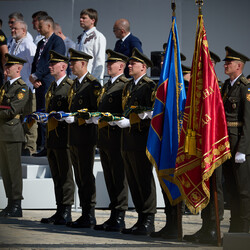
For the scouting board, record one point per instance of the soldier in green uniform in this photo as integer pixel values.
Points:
(139, 92)
(57, 144)
(236, 97)
(109, 142)
(82, 136)
(14, 95)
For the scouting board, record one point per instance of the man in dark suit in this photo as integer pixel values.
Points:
(236, 97)
(57, 144)
(14, 95)
(83, 135)
(41, 77)
(139, 92)
(126, 41)
(109, 142)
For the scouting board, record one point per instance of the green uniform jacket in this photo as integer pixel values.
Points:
(237, 109)
(135, 138)
(84, 96)
(111, 101)
(57, 100)
(15, 97)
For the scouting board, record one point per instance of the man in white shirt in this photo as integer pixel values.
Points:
(26, 49)
(15, 16)
(92, 42)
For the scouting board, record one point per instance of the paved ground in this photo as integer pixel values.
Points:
(29, 233)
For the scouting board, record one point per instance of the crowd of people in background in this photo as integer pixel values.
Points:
(51, 72)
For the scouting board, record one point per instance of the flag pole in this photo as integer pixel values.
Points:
(179, 205)
(216, 207)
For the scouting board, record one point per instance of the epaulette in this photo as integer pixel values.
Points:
(147, 79)
(124, 79)
(69, 81)
(21, 81)
(91, 78)
(244, 80)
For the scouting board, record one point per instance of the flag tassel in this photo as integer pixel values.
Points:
(192, 144)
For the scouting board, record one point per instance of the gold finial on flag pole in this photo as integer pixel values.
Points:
(199, 3)
(173, 7)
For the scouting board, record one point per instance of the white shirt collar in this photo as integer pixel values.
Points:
(80, 80)
(234, 80)
(138, 79)
(90, 31)
(114, 78)
(123, 39)
(60, 80)
(13, 80)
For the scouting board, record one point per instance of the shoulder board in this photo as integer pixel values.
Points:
(244, 80)
(91, 78)
(69, 81)
(124, 79)
(147, 79)
(21, 81)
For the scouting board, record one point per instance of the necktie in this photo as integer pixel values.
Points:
(77, 83)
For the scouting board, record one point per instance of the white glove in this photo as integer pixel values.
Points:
(70, 119)
(150, 114)
(88, 121)
(240, 158)
(112, 123)
(95, 119)
(124, 123)
(143, 115)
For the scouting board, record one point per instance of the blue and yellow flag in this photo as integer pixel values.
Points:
(165, 128)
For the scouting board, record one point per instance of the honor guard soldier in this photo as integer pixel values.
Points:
(109, 142)
(236, 97)
(139, 92)
(57, 145)
(13, 97)
(82, 136)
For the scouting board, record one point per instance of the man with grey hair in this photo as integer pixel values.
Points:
(15, 16)
(126, 41)
(26, 49)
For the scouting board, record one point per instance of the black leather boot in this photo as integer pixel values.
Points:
(87, 220)
(103, 226)
(5, 210)
(15, 209)
(117, 223)
(146, 227)
(54, 217)
(134, 227)
(210, 237)
(196, 236)
(65, 216)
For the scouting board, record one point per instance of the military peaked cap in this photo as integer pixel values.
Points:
(76, 55)
(214, 57)
(56, 57)
(138, 56)
(115, 56)
(232, 55)
(10, 59)
(185, 69)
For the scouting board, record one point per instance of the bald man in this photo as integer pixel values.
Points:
(126, 41)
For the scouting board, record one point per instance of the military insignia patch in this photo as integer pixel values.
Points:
(248, 97)
(20, 95)
(2, 38)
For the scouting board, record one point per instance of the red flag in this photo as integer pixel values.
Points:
(204, 143)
